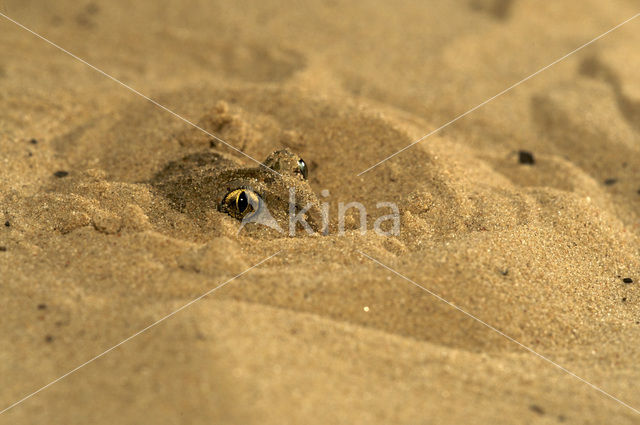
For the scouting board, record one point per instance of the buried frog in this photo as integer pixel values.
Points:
(274, 194)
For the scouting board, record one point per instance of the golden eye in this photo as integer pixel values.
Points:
(240, 203)
(302, 166)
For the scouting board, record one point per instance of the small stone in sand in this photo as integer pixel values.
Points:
(6, 223)
(3, 248)
(609, 182)
(525, 157)
(34, 142)
(535, 408)
(627, 280)
(48, 338)
(42, 306)
(61, 174)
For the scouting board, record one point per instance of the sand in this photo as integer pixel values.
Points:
(320, 333)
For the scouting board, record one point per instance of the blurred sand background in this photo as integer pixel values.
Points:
(539, 251)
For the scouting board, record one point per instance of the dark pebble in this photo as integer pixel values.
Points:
(6, 223)
(624, 299)
(34, 142)
(42, 306)
(61, 174)
(525, 157)
(3, 248)
(535, 408)
(610, 182)
(48, 338)
(627, 280)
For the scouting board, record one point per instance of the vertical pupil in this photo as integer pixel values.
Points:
(242, 202)
(303, 168)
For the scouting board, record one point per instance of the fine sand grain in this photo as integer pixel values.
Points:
(524, 213)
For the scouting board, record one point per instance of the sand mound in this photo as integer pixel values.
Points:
(523, 214)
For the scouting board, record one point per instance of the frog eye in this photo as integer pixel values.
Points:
(302, 166)
(241, 203)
